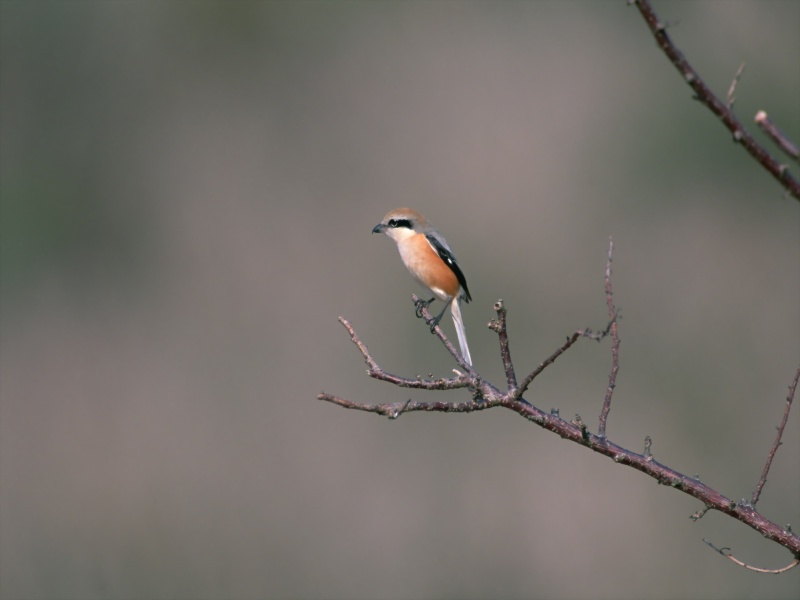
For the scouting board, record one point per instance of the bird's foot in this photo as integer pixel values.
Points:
(421, 305)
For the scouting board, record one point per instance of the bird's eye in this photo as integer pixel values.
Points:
(400, 223)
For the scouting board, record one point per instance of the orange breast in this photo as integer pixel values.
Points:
(428, 268)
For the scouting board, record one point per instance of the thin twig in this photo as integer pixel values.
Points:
(499, 327)
(376, 372)
(704, 94)
(777, 442)
(776, 135)
(395, 409)
(598, 335)
(546, 363)
(700, 513)
(612, 315)
(726, 552)
(373, 366)
(732, 89)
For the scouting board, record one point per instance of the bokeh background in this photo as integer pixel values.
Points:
(188, 191)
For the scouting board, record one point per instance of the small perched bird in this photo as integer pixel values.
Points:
(430, 261)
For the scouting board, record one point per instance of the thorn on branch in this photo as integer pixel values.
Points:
(648, 445)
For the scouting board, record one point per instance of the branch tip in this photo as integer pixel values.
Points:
(726, 552)
(704, 94)
(778, 137)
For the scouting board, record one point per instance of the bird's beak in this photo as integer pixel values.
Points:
(378, 228)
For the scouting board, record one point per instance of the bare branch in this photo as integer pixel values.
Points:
(499, 327)
(612, 316)
(395, 409)
(704, 94)
(777, 442)
(726, 552)
(776, 135)
(373, 366)
(577, 432)
(486, 396)
(376, 372)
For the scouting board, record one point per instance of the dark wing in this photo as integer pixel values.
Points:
(447, 256)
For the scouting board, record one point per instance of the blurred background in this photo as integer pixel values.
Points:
(188, 191)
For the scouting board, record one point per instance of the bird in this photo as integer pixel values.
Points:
(429, 259)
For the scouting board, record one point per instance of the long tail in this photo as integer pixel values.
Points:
(455, 308)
